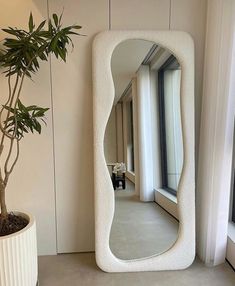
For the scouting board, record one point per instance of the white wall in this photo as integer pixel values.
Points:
(72, 108)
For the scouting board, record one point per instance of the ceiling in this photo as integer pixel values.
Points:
(126, 59)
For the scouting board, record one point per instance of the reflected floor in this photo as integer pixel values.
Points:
(140, 229)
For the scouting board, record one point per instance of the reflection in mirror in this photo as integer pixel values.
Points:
(170, 124)
(143, 149)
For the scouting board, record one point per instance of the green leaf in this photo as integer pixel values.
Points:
(77, 27)
(42, 48)
(38, 127)
(61, 15)
(43, 121)
(73, 33)
(8, 108)
(31, 107)
(10, 31)
(41, 25)
(55, 17)
(54, 41)
(62, 54)
(23, 50)
(39, 113)
(31, 25)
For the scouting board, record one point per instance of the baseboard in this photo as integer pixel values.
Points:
(167, 201)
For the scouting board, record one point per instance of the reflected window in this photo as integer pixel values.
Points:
(233, 202)
(169, 77)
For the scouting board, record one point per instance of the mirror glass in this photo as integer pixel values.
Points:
(143, 149)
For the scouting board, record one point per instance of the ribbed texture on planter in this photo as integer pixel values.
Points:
(18, 257)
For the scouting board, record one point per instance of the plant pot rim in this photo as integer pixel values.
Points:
(28, 216)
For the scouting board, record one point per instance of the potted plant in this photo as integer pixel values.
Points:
(20, 57)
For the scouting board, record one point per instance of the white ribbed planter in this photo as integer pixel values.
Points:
(18, 256)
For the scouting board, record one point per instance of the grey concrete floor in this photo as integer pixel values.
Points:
(140, 229)
(81, 270)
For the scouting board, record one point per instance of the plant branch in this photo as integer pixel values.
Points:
(9, 89)
(11, 99)
(8, 172)
(17, 97)
(8, 158)
(16, 158)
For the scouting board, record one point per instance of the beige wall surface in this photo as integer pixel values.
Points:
(72, 98)
(190, 16)
(31, 186)
(68, 206)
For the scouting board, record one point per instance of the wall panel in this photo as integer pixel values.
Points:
(139, 15)
(190, 16)
(72, 98)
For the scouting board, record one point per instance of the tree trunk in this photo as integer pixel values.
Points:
(3, 201)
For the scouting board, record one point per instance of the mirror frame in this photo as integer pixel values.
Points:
(182, 253)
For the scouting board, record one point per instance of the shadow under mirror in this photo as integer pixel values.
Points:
(143, 149)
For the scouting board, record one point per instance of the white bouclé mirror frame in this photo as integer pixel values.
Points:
(182, 253)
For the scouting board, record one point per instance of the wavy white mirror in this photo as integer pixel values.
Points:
(144, 119)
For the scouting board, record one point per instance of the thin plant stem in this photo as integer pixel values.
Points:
(16, 100)
(17, 156)
(4, 133)
(8, 172)
(8, 158)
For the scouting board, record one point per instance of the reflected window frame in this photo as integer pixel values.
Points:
(170, 63)
(233, 199)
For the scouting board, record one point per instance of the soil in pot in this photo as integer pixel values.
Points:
(12, 224)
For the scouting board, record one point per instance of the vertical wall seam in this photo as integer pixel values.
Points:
(53, 138)
(110, 26)
(169, 24)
